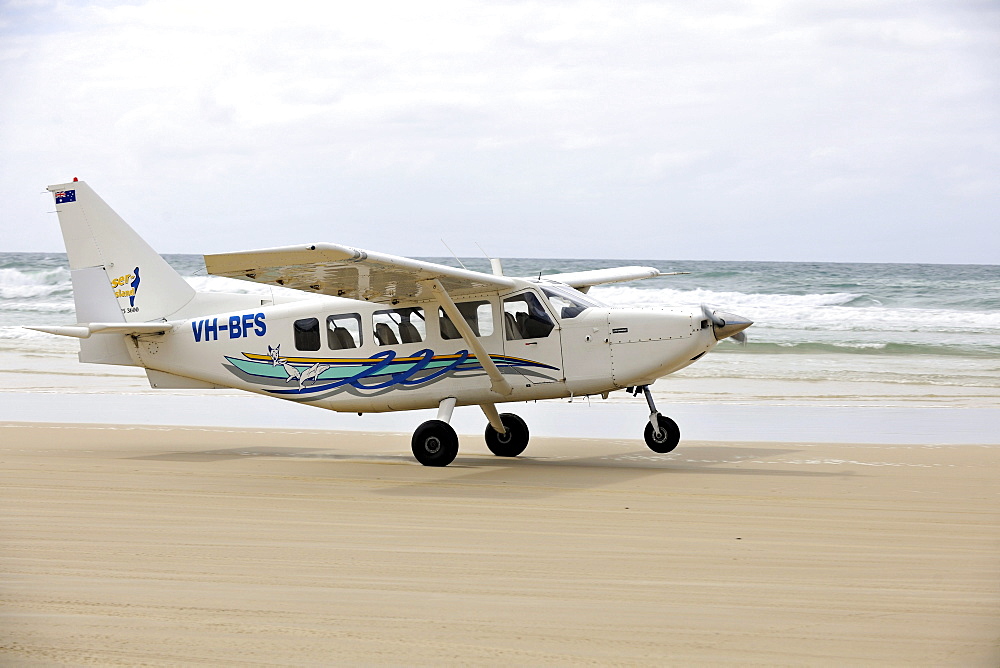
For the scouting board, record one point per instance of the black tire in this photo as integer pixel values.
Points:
(670, 435)
(435, 443)
(513, 442)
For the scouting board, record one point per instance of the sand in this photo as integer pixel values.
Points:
(187, 546)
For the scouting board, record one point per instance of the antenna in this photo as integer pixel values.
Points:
(453, 255)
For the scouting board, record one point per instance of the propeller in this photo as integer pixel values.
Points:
(727, 325)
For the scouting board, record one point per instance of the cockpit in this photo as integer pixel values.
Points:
(566, 301)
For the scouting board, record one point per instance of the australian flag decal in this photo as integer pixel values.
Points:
(64, 196)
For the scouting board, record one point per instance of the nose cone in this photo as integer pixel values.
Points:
(731, 325)
(725, 325)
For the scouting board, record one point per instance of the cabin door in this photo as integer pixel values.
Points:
(531, 338)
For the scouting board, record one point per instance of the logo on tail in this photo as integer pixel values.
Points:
(135, 288)
(132, 283)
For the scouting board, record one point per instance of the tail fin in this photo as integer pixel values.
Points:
(116, 275)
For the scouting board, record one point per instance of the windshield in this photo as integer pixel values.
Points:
(568, 302)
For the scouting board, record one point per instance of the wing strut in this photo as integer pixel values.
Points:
(498, 383)
(494, 417)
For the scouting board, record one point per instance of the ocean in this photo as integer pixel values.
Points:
(837, 334)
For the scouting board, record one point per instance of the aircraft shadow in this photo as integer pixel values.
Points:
(223, 454)
(488, 476)
(527, 477)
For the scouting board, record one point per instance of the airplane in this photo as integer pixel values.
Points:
(370, 332)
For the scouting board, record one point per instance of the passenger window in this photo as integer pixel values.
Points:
(524, 318)
(307, 334)
(343, 331)
(400, 325)
(478, 314)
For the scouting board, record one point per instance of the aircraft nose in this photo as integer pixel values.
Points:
(725, 325)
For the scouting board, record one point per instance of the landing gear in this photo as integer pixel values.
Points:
(662, 434)
(435, 443)
(513, 442)
(665, 437)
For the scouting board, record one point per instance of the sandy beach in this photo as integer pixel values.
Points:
(138, 545)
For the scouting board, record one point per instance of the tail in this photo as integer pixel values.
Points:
(116, 276)
(121, 286)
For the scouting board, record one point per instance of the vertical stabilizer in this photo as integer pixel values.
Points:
(112, 267)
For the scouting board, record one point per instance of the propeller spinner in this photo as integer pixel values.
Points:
(727, 325)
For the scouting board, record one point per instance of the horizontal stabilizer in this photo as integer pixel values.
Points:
(85, 330)
(584, 280)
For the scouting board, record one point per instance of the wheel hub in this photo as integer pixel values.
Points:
(432, 445)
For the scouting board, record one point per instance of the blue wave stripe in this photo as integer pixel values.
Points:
(382, 370)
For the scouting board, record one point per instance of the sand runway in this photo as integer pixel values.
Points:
(137, 545)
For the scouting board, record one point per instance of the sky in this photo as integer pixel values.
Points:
(843, 131)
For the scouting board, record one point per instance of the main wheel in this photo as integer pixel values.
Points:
(435, 443)
(513, 442)
(669, 437)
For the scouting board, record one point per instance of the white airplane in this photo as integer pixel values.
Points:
(372, 332)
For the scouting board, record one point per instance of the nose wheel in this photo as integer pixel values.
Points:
(662, 434)
(664, 438)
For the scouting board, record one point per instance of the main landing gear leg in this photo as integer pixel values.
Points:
(506, 433)
(662, 434)
(435, 442)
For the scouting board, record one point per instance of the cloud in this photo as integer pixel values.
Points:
(712, 128)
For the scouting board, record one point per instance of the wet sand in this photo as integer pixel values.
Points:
(180, 546)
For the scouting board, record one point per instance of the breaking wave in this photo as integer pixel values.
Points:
(19, 284)
(798, 308)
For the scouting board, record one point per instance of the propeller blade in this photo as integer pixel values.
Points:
(710, 314)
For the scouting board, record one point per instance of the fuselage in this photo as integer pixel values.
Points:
(549, 341)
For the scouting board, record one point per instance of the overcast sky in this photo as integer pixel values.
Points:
(804, 131)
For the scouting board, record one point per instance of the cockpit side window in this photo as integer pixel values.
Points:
(525, 318)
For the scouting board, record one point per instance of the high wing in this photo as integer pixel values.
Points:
(584, 280)
(342, 271)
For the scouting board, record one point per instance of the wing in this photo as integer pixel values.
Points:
(342, 271)
(584, 280)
